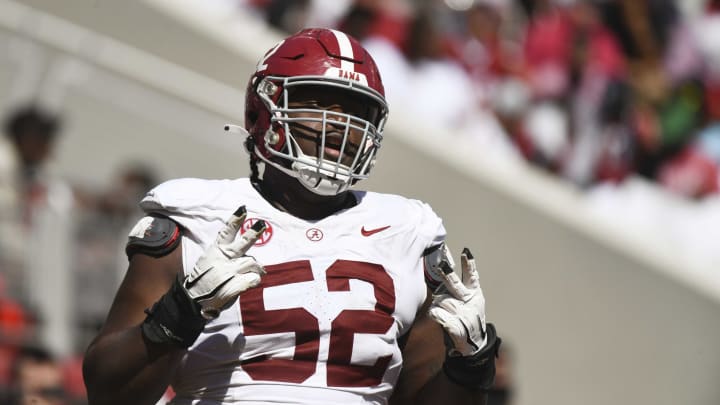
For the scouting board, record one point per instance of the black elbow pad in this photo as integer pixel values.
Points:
(153, 235)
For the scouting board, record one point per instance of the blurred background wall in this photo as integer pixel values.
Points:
(584, 177)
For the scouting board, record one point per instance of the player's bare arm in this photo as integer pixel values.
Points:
(120, 365)
(158, 312)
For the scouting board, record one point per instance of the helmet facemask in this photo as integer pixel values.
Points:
(323, 131)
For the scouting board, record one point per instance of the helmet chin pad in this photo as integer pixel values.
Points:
(325, 178)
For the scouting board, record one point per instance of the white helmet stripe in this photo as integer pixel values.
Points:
(346, 51)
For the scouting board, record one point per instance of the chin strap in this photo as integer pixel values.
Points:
(236, 129)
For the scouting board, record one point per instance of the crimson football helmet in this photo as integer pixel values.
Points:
(334, 65)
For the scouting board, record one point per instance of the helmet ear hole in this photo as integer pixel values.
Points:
(272, 137)
(252, 117)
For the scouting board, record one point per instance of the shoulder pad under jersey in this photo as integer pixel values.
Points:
(153, 235)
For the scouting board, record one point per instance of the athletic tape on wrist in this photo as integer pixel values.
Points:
(476, 371)
(174, 319)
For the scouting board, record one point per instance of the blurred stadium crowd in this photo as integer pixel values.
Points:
(37, 209)
(592, 91)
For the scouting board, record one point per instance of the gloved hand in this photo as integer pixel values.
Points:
(218, 277)
(459, 308)
(224, 271)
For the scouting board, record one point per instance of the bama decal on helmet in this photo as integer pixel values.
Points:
(347, 74)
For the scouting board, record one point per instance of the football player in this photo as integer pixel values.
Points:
(288, 286)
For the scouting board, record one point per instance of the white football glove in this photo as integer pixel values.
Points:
(459, 307)
(224, 271)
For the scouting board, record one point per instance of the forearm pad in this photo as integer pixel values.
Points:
(174, 319)
(477, 371)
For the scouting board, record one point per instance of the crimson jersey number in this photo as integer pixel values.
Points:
(340, 372)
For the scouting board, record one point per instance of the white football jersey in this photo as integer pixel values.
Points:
(323, 325)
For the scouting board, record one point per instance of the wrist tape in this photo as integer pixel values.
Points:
(174, 319)
(476, 371)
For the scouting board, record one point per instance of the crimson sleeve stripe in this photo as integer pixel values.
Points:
(173, 238)
(429, 280)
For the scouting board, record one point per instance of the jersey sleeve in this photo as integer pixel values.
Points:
(430, 228)
(197, 206)
(431, 236)
(191, 203)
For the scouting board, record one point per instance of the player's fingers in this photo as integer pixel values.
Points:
(464, 265)
(242, 282)
(449, 322)
(241, 245)
(232, 226)
(248, 264)
(451, 305)
(225, 295)
(452, 282)
(469, 269)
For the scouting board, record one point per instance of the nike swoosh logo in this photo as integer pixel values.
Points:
(366, 232)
